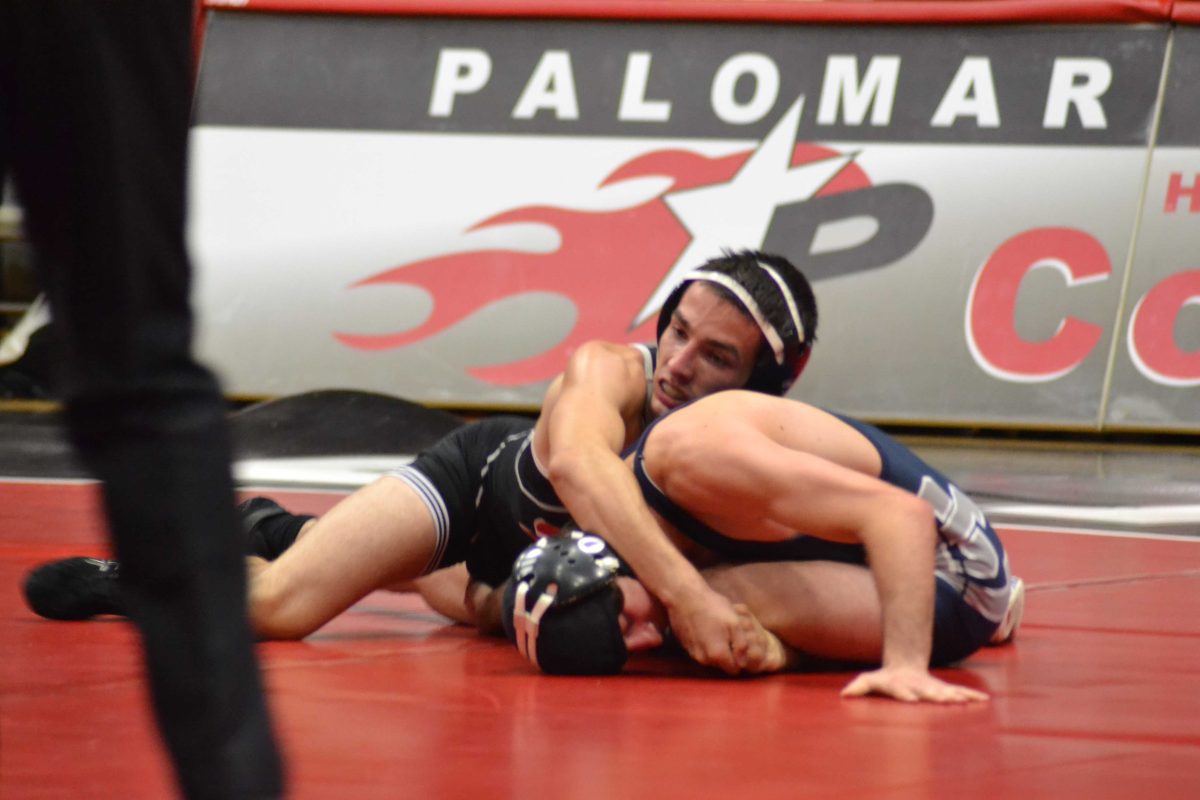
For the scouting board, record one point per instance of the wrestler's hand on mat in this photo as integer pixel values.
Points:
(706, 625)
(910, 685)
(765, 652)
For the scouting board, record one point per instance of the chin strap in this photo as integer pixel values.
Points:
(526, 623)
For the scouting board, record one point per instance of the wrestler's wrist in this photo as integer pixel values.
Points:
(904, 661)
(681, 589)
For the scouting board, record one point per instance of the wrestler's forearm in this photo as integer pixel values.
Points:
(604, 498)
(900, 552)
(905, 583)
(447, 592)
(703, 621)
(581, 432)
(485, 604)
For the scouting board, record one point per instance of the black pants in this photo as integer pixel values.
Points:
(94, 116)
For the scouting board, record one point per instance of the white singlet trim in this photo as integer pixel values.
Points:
(437, 510)
(528, 445)
(648, 365)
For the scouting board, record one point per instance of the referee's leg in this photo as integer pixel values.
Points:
(94, 114)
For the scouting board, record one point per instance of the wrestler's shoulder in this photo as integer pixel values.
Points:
(599, 354)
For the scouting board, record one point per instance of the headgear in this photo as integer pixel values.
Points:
(777, 296)
(562, 606)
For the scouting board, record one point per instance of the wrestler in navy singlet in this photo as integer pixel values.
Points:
(971, 566)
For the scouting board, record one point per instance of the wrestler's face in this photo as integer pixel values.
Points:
(643, 619)
(709, 345)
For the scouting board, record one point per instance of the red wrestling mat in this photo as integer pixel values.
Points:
(1100, 698)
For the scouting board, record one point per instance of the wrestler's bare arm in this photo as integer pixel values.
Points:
(584, 425)
(446, 591)
(723, 461)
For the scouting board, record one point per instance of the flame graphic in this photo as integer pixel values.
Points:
(608, 264)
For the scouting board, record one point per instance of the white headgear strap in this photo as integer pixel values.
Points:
(787, 298)
(526, 623)
(769, 331)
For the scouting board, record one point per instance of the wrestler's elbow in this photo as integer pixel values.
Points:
(887, 517)
(909, 513)
(568, 470)
(680, 460)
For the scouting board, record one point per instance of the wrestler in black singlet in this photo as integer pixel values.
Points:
(488, 496)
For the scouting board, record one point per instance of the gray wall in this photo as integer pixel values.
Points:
(998, 220)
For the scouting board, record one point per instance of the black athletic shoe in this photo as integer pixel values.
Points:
(74, 588)
(270, 528)
(254, 511)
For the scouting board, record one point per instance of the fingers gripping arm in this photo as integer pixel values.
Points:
(486, 604)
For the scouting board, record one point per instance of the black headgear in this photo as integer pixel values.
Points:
(749, 278)
(562, 605)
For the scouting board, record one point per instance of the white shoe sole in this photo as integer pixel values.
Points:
(1012, 617)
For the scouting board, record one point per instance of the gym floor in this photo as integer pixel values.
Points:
(1099, 697)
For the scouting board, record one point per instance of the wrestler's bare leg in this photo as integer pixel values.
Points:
(443, 590)
(380, 535)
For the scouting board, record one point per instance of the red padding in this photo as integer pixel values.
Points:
(1186, 11)
(832, 11)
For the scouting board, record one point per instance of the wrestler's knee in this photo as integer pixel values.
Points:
(679, 455)
(275, 611)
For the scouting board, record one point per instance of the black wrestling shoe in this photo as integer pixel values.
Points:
(269, 527)
(74, 588)
(256, 510)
